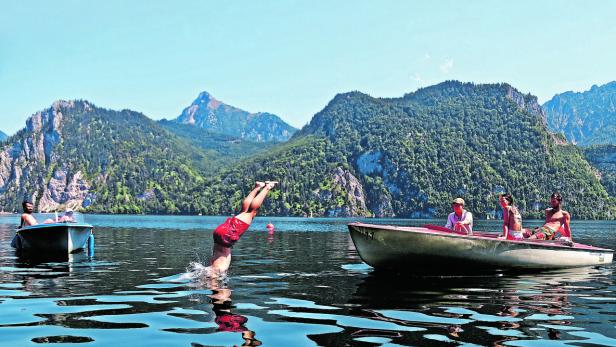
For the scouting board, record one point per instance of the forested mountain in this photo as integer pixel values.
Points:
(223, 149)
(409, 157)
(219, 118)
(3, 136)
(584, 118)
(77, 155)
(405, 157)
(603, 158)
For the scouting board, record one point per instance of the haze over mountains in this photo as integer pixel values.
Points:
(405, 157)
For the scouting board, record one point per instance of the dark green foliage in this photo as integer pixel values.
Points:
(457, 139)
(301, 166)
(411, 156)
(222, 149)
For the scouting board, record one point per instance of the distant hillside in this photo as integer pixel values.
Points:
(409, 157)
(77, 155)
(3, 136)
(603, 158)
(223, 149)
(584, 118)
(219, 118)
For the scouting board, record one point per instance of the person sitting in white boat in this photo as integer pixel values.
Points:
(556, 222)
(27, 218)
(512, 219)
(460, 219)
(67, 217)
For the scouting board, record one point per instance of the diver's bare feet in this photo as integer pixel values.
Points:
(271, 184)
(259, 184)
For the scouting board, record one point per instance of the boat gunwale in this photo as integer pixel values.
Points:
(540, 243)
(54, 225)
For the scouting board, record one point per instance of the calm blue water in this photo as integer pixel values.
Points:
(302, 286)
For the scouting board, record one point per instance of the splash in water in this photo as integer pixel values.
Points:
(198, 272)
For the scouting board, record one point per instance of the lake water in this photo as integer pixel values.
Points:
(304, 285)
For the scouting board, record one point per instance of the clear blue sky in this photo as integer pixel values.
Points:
(290, 57)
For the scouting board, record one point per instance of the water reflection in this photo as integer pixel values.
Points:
(489, 310)
(226, 320)
(294, 287)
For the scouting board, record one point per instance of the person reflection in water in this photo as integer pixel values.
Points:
(225, 319)
(229, 232)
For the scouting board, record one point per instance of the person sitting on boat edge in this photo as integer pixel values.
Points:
(512, 219)
(27, 218)
(229, 232)
(556, 221)
(460, 219)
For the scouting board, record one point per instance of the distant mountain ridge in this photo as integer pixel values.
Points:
(585, 118)
(3, 136)
(217, 117)
(410, 156)
(359, 156)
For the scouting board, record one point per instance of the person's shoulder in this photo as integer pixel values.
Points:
(566, 213)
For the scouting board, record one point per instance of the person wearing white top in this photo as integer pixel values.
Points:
(460, 219)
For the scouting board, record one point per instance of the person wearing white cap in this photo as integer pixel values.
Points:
(460, 219)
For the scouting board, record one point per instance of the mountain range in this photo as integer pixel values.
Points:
(3, 136)
(359, 156)
(585, 118)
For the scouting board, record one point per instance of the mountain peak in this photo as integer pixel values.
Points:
(211, 114)
(71, 104)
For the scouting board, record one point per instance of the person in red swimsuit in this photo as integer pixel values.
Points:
(229, 232)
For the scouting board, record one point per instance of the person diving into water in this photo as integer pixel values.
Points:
(229, 232)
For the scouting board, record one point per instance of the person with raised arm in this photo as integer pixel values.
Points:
(512, 219)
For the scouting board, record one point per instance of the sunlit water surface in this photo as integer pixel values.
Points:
(302, 285)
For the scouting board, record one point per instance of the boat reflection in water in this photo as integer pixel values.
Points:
(487, 310)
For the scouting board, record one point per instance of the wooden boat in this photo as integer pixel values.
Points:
(53, 237)
(433, 248)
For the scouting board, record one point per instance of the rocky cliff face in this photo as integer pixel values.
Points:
(217, 117)
(29, 166)
(526, 102)
(352, 192)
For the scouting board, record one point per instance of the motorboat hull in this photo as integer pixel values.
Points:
(53, 238)
(423, 249)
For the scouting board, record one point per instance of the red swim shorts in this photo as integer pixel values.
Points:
(229, 232)
(231, 322)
